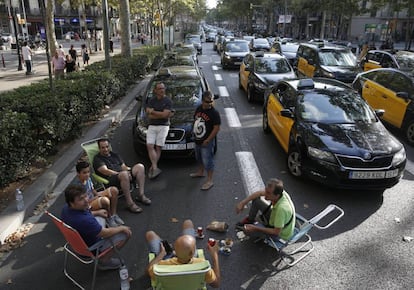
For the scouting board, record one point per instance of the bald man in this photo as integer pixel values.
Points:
(184, 253)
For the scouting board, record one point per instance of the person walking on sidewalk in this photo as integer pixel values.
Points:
(58, 65)
(103, 203)
(85, 54)
(159, 111)
(27, 57)
(206, 126)
(110, 166)
(76, 213)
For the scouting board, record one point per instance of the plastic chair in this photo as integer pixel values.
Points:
(91, 149)
(301, 236)
(77, 247)
(183, 277)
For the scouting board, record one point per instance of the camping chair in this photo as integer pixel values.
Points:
(300, 235)
(183, 277)
(77, 247)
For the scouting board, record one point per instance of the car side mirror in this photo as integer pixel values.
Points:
(403, 95)
(287, 113)
(216, 96)
(311, 61)
(247, 68)
(379, 112)
(138, 98)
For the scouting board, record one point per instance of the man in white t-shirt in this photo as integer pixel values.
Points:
(27, 56)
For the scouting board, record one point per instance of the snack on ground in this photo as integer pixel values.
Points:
(218, 226)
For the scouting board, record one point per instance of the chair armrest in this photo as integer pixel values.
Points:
(330, 208)
(100, 178)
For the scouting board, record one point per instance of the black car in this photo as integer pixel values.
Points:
(331, 135)
(233, 53)
(185, 86)
(259, 44)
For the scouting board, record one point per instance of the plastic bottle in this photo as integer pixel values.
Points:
(123, 274)
(19, 200)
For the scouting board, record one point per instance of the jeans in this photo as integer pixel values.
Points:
(205, 155)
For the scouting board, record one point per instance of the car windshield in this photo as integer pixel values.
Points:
(271, 65)
(237, 46)
(334, 108)
(261, 41)
(337, 57)
(193, 39)
(290, 48)
(405, 60)
(184, 93)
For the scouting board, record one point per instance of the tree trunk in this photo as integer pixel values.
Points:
(50, 26)
(125, 28)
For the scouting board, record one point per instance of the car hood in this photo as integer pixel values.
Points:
(183, 117)
(353, 139)
(341, 69)
(234, 54)
(273, 78)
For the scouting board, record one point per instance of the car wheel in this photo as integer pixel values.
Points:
(409, 132)
(250, 94)
(265, 122)
(294, 162)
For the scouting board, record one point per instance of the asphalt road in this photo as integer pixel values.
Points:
(364, 250)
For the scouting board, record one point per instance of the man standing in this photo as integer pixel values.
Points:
(73, 53)
(159, 111)
(76, 213)
(206, 126)
(110, 166)
(184, 253)
(279, 215)
(27, 56)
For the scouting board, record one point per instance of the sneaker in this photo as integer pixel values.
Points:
(111, 264)
(245, 221)
(118, 220)
(111, 222)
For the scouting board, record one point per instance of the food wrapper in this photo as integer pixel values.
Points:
(217, 226)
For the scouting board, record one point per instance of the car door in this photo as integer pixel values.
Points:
(306, 62)
(372, 60)
(373, 90)
(244, 75)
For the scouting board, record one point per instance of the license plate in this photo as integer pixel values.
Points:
(173, 147)
(237, 63)
(373, 174)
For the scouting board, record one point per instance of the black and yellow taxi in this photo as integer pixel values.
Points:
(319, 59)
(259, 70)
(331, 135)
(392, 91)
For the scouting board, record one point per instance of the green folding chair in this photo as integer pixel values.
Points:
(91, 149)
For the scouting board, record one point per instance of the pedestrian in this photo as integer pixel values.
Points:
(159, 111)
(76, 213)
(206, 126)
(111, 45)
(70, 64)
(184, 253)
(278, 216)
(27, 57)
(85, 55)
(58, 65)
(73, 53)
(110, 166)
(102, 203)
(61, 51)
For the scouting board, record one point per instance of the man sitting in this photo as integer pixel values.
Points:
(184, 251)
(110, 166)
(77, 214)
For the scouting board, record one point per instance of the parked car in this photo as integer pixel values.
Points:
(331, 135)
(320, 60)
(259, 44)
(233, 53)
(185, 86)
(260, 70)
(195, 40)
(392, 91)
(211, 36)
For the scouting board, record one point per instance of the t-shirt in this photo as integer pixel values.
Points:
(210, 275)
(160, 105)
(204, 122)
(27, 53)
(282, 212)
(113, 162)
(88, 186)
(84, 222)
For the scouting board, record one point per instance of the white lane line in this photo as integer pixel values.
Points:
(214, 67)
(252, 180)
(205, 61)
(409, 166)
(232, 118)
(223, 91)
(218, 77)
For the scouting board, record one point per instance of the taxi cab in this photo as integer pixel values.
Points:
(331, 135)
(392, 91)
(259, 70)
(329, 61)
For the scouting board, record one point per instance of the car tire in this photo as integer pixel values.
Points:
(294, 161)
(250, 94)
(265, 122)
(409, 132)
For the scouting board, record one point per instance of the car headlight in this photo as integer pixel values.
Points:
(261, 86)
(226, 56)
(321, 154)
(399, 157)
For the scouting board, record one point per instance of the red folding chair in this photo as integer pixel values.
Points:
(77, 247)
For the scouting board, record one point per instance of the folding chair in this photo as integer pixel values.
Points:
(77, 247)
(300, 235)
(183, 277)
(91, 149)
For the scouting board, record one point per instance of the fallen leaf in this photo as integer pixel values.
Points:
(305, 205)
(61, 249)
(174, 220)
(48, 246)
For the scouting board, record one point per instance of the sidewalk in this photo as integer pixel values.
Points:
(10, 219)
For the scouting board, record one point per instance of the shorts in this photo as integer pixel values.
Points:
(154, 245)
(97, 202)
(111, 241)
(156, 135)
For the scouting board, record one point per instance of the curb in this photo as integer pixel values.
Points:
(10, 219)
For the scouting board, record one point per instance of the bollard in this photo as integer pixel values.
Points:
(2, 60)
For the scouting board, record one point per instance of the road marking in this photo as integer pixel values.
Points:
(232, 118)
(252, 180)
(218, 77)
(214, 67)
(205, 61)
(223, 91)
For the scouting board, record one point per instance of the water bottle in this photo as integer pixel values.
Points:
(19, 200)
(123, 274)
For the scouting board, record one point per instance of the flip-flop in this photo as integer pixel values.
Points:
(134, 208)
(143, 199)
(195, 175)
(155, 173)
(207, 185)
